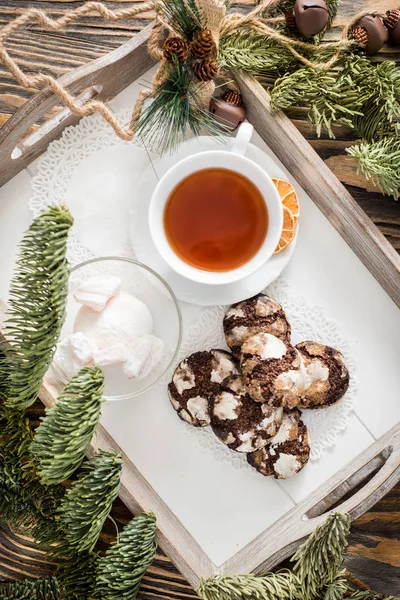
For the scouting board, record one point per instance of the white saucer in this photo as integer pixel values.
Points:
(146, 252)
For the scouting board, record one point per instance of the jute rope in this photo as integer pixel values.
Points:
(213, 16)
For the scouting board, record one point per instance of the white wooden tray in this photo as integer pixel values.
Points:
(214, 518)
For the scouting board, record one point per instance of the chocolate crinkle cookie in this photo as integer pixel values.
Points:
(255, 315)
(196, 380)
(326, 373)
(272, 371)
(241, 423)
(287, 453)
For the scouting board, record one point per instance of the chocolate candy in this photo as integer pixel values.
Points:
(225, 112)
(392, 22)
(377, 34)
(311, 16)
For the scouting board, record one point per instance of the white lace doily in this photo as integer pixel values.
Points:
(308, 321)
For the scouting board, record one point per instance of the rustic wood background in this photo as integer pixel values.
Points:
(373, 557)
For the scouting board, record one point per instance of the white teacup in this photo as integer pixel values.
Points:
(234, 160)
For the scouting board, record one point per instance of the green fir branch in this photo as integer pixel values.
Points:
(40, 589)
(63, 437)
(88, 502)
(380, 162)
(282, 585)
(120, 571)
(337, 588)
(37, 307)
(320, 558)
(380, 83)
(77, 574)
(256, 54)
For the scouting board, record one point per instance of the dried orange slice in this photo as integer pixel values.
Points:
(291, 209)
(288, 230)
(288, 196)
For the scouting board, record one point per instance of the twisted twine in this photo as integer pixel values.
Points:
(214, 17)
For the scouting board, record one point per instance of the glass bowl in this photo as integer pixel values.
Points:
(146, 285)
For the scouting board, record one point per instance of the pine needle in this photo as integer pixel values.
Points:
(77, 574)
(41, 589)
(37, 307)
(282, 585)
(88, 502)
(256, 54)
(183, 15)
(120, 571)
(319, 559)
(175, 108)
(380, 162)
(63, 437)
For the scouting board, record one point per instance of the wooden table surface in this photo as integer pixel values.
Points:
(373, 557)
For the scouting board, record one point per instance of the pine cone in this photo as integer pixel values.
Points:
(205, 70)
(232, 97)
(175, 46)
(392, 18)
(202, 44)
(360, 35)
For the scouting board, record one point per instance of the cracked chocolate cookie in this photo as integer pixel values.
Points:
(327, 375)
(287, 453)
(273, 371)
(252, 316)
(241, 423)
(196, 380)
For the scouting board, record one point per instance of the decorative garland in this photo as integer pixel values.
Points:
(200, 42)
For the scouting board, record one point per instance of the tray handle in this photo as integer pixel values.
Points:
(102, 79)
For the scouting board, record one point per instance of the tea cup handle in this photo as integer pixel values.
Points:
(242, 139)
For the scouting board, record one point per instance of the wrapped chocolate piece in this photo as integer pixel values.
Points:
(311, 16)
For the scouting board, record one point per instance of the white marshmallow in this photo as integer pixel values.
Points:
(111, 356)
(123, 320)
(73, 353)
(144, 354)
(97, 291)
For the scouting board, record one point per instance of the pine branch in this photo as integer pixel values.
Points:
(175, 107)
(40, 589)
(63, 437)
(282, 585)
(120, 571)
(337, 588)
(37, 307)
(380, 161)
(319, 559)
(380, 85)
(77, 574)
(256, 54)
(184, 16)
(87, 504)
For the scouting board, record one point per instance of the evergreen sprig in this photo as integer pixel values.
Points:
(120, 571)
(183, 15)
(380, 161)
(77, 574)
(40, 589)
(37, 308)
(282, 585)
(176, 106)
(320, 558)
(88, 502)
(253, 53)
(63, 437)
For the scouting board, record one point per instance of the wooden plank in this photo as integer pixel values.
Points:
(367, 242)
